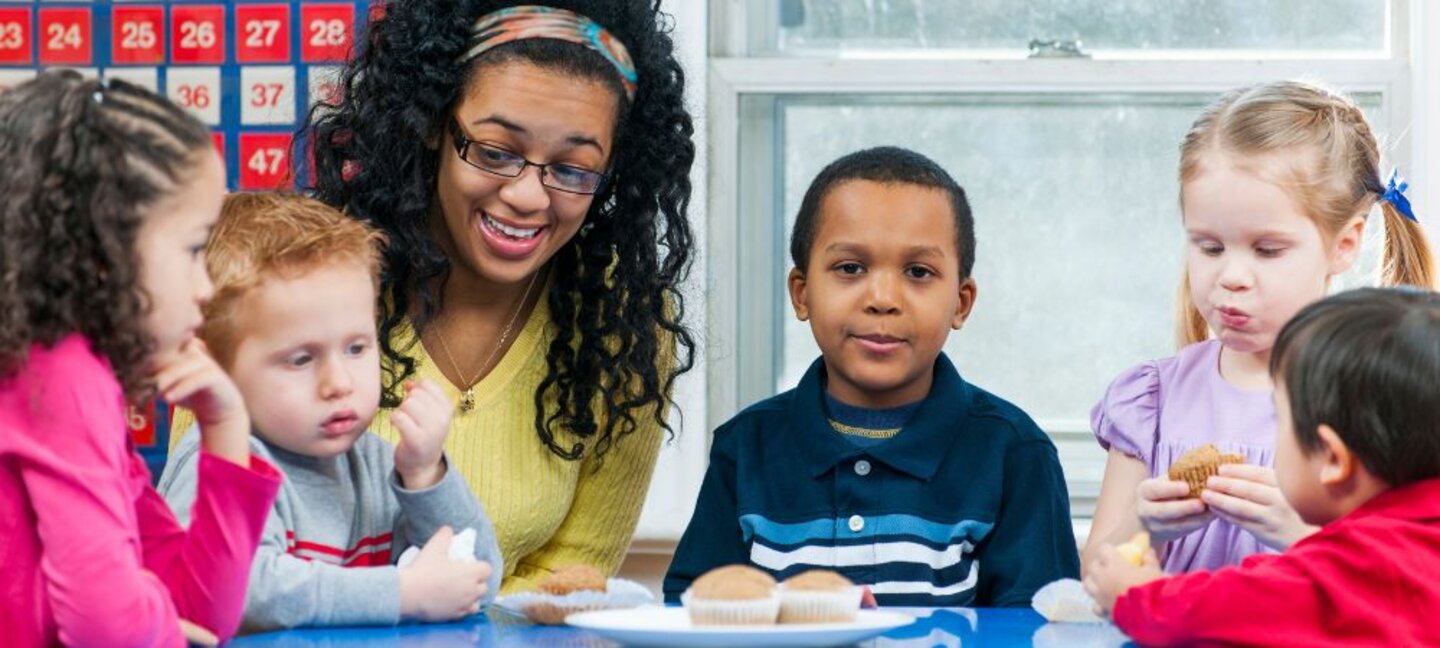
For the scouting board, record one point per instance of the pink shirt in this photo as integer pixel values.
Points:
(89, 552)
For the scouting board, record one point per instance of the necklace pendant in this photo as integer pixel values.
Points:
(467, 400)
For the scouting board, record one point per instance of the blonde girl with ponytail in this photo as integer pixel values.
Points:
(1276, 182)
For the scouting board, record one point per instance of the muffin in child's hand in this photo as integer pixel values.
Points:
(573, 578)
(732, 595)
(819, 596)
(1199, 465)
(1133, 551)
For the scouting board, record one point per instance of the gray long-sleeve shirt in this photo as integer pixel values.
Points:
(330, 544)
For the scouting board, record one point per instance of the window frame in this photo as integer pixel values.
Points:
(743, 259)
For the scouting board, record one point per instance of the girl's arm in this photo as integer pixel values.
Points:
(78, 479)
(207, 567)
(1115, 519)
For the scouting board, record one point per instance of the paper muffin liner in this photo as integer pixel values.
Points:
(1065, 601)
(705, 612)
(811, 606)
(549, 609)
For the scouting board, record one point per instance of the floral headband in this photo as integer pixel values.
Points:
(534, 21)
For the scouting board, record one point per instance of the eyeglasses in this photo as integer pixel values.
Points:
(503, 163)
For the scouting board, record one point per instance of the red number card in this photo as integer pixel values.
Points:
(137, 35)
(264, 161)
(197, 34)
(142, 423)
(65, 36)
(16, 36)
(327, 32)
(262, 33)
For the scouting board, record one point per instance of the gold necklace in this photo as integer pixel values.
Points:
(467, 390)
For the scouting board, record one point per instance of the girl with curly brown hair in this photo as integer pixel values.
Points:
(529, 162)
(110, 194)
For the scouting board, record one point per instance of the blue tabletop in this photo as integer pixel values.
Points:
(933, 627)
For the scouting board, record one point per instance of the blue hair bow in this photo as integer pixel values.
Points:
(1395, 195)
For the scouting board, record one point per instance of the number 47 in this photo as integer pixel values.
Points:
(266, 161)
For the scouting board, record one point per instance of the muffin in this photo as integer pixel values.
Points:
(573, 578)
(732, 595)
(1133, 551)
(818, 596)
(1199, 465)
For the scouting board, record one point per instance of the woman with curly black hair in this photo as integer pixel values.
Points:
(530, 167)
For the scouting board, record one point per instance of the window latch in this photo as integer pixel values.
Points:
(1057, 49)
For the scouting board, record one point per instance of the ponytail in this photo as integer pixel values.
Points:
(1408, 260)
(1190, 325)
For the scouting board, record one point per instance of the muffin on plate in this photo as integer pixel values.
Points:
(732, 595)
(818, 596)
(573, 578)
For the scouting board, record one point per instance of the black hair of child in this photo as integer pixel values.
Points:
(885, 165)
(1367, 363)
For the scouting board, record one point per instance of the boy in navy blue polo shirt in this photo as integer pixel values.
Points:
(884, 464)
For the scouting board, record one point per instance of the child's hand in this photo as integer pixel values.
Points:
(198, 636)
(436, 588)
(423, 420)
(192, 379)
(1166, 510)
(1248, 497)
(1111, 574)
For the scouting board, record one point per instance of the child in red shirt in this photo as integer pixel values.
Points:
(1358, 452)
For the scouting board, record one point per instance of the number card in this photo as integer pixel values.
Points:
(16, 36)
(219, 139)
(327, 32)
(196, 89)
(264, 160)
(145, 77)
(262, 33)
(142, 424)
(137, 35)
(65, 36)
(324, 84)
(267, 95)
(197, 34)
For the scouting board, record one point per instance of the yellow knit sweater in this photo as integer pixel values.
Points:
(547, 512)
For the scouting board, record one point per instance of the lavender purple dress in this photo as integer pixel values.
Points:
(1159, 410)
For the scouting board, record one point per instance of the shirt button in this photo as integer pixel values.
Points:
(857, 523)
(862, 467)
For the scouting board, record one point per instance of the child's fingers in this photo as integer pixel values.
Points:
(1249, 472)
(433, 395)
(1160, 489)
(196, 635)
(1244, 489)
(1233, 508)
(1174, 510)
(182, 366)
(185, 386)
(403, 423)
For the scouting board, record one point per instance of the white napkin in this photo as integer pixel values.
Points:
(462, 549)
(1065, 601)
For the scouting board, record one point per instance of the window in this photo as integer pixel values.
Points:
(1070, 164)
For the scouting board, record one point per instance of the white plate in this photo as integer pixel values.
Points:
(670, 626)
